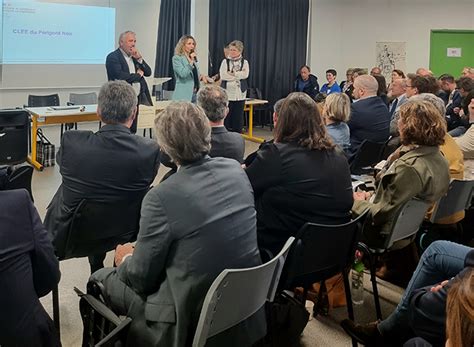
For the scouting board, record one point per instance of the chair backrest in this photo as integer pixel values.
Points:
(14, 129)
(407, 220)
(367, 155)
(235, 295)
(43, 100)
(98, 227)
(102, 327)
(20, 178)
(320, 251)
(457, 199)
(83, 99)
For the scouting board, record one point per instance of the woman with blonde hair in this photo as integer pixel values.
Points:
(234, 72)
(186, 71)
(336, 111)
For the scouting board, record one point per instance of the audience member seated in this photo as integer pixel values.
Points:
(466, 144)
(424, 72)
(347, 86)
(370, 118)
(397, 74)
(306, 82)
(397, 93)
(414, 85)
(301, 177)
(375, 71)
(336, 111)
(213, 100)
(28, 271)
(198, 222)
(331, 86)
(448, 85)
(468, 72)
(422, 309)
(107, 165)
(420, 171)
(382, 88)
(465, 86)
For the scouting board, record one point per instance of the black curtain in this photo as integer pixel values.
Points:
(274, 33)
(174, 22)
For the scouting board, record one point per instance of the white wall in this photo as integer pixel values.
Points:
(140, 16)
(344, 32)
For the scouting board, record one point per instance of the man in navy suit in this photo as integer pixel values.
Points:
(126, 63)
(28, 270)
(370, 118)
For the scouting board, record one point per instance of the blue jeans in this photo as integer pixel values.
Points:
(441, 261)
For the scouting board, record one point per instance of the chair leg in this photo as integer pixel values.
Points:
(56, 310)
(350, 308)
(75, 126)
(373, 279)
(62, 130)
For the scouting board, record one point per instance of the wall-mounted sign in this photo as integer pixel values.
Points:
(453, 52)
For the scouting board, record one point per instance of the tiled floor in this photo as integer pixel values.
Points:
(323, 331)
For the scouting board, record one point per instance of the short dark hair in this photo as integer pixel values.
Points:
(332, 71)
(399, 72)
(305, 66)
(465, 83)
(213, 100)
(446, 78)
(424, 84)
(299, 122)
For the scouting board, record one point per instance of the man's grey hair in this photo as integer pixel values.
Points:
(117, 102)
(368, 83)
(183, 132)
(122, 35)
(278, 105)
(214, 101)
(432, 99)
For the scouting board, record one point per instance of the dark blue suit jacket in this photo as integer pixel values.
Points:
(28, 271)
(117, 69)
(370, 120)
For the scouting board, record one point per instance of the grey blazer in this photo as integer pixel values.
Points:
(193, 225)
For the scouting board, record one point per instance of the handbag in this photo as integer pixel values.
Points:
(45, 150)
(286, 320)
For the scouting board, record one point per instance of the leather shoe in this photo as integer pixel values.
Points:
(366, 334)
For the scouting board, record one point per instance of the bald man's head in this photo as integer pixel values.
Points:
(365, 86)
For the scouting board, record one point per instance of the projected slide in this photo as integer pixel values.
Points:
(52, 33)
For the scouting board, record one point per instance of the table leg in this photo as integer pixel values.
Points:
(33, 157)
(249, 136)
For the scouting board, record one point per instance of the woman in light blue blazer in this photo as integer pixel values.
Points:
(186, 71)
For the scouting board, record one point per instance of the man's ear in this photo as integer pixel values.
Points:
(226, 111)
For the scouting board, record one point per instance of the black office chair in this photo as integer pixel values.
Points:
(14, 135)
(320, 252)
(20, 178)
(96, 228)
(102, 327)
(43, 101)
(368, 155)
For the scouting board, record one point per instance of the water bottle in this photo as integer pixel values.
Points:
(357, 282)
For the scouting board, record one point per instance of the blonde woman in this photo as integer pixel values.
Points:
(186, 71)
(234, 72)
(336, 111)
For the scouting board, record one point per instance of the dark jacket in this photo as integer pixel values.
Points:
(227, 144)
(102, 166)
(311, 88)
(295, 185)
(28, 271)
(193, 225)
(117, 69)
(370, 120)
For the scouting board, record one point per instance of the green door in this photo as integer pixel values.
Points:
(451, 50)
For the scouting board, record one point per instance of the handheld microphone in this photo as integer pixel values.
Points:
(195, 58)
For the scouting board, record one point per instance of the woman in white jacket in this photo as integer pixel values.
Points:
(234, 72)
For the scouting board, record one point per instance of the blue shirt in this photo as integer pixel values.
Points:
(340, 134)
(333, 89)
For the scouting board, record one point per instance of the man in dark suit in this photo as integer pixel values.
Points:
(28, 271)
(104, 166)
(422, 309)
(198, 222)
(213, 99)
(126, 63)
(370, 118)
